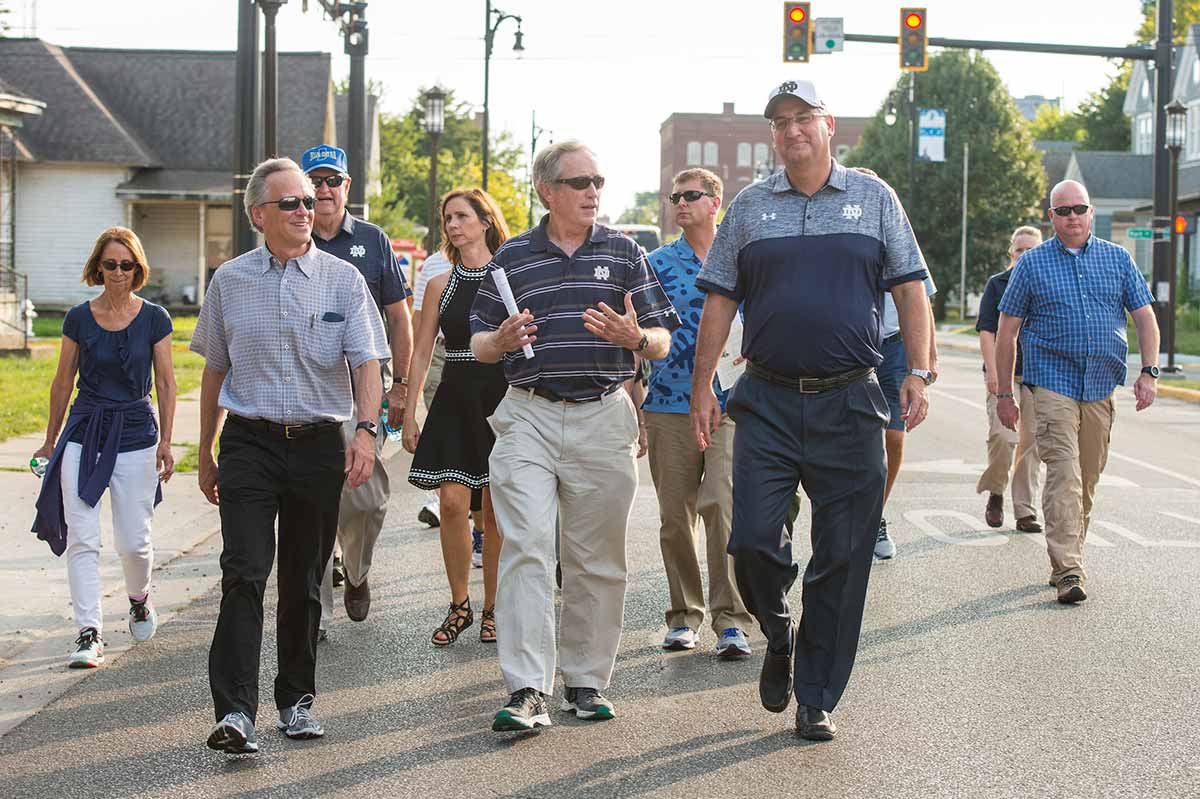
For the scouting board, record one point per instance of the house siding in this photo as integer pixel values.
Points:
(170, 232)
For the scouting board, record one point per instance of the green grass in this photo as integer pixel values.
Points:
(1194, 385)
(1187, 332)
(48, 327)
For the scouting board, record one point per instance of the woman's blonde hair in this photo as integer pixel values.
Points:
(93, 274)
(489, 214)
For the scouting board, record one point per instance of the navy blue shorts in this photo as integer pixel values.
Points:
(891, 374)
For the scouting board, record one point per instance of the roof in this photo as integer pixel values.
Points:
(179, 184)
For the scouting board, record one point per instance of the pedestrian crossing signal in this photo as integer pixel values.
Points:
(1185, 225)
(914, 40)
(797, 32)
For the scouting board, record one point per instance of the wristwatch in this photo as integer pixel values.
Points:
(642, 343)
(924, 374)
(369, 426)
(1151, 370)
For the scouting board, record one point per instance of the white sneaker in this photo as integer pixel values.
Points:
(885, 548)
(143, 620)
(680, 638)
(430, 513)
(89, 652)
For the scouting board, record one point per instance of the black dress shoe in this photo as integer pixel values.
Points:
(814, 724)
(775, 681)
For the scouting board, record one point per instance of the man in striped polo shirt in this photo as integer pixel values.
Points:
(566, 437)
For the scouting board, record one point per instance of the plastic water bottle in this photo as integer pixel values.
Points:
(394, 434)
(38, 466)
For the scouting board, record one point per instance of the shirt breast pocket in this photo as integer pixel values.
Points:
(323, 342)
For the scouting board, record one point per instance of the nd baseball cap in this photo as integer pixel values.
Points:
(324, 155)
(800, 89)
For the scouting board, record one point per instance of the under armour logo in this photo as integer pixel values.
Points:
(852, 212)
(357, 251)
(788, 86)
(765, 217)
(602, 273)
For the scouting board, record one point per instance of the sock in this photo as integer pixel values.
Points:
(140, 599)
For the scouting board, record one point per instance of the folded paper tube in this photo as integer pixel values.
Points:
(510, 302)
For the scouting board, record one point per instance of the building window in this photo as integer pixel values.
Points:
(1144, 141)
(1196, 71)
(743, 153)
(711, 153)
(1193, 131)
(693, 153)
(760, 154)
(843, 150)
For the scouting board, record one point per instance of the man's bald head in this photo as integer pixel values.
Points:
(1069, 192)
(1073, 229)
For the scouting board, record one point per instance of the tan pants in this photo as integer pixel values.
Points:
(433, 378)
(1001, 443)
(690, 482)
(1072, 439)
(579, 459)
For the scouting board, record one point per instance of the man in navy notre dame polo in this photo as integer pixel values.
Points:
(809, 252)
(368, 248)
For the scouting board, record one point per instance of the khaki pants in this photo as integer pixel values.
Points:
(1072, 440)
(433, 378)
(578, 459)
(690, 482)
(1001, 443)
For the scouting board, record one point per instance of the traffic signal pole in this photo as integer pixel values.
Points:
(244, 122)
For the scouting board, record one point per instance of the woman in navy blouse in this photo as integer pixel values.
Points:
(112, 440)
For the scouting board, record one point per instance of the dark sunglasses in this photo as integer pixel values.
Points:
(691, 196)
(290, 204)
(1065, 210)
(332, 181)
(126, 266)
(580, 183)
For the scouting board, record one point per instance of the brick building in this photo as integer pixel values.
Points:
(735, 146)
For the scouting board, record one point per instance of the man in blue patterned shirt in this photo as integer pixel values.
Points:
(690, 482)
(1068, 298)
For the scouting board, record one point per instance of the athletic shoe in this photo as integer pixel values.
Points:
(143, 620)
(885, 548)
(234, 735)
(297, 722)
(339, 573)
(680, 638)
(1070, 590)
(89, 651)
(322, 635)
(587, 703)
(525, 710)
(733, 643)
(430, 514)
(477, 549)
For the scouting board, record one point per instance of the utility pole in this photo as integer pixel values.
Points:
(270, 9)
(962, 269)
(351, 18)
(1163, 72)
(912, 138)
(489, 36)
(535, 133)
(244, 122)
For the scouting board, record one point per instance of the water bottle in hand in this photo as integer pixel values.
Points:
(38, 466)
(394, 434)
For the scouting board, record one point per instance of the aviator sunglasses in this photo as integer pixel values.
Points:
(126, 266)
(691, 196)
(332, 181)
(292, 203)
(1065, 210)
(580, 183)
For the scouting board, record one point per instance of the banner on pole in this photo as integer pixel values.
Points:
(931, 140)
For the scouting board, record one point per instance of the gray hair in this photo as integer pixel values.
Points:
(547, 167)
(256, 188)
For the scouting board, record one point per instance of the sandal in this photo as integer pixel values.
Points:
(458, 618)
(487, 626)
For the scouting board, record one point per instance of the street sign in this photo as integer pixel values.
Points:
(827, 35)
(931, 144)
(1141, 233)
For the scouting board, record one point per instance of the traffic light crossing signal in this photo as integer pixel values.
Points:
(1185, 225)
(797, 32)
(914, 40)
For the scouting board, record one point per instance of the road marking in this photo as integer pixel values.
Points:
(1180, 516)
(958, 467)
(1125, 532)
(921, 520)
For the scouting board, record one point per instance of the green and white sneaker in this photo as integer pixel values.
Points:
(525, 710)
(89, 650)
(587, 703)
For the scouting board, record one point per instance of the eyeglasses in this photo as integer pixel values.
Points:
(290, 204)
(126, 266)
(691, 196)
(332, 181)
(1065, 210)
(781, 124)
(580, 183)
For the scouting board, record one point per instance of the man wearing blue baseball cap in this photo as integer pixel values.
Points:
(368, 248)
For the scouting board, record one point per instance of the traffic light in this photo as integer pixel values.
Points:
(797, 32)
(914, 40)
(1185, 225)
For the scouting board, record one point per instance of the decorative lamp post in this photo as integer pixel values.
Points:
(435, 123)
(489, 35)
(1176, 138)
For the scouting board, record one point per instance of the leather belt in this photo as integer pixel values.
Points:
(889, 339)
(547, 394)
(809, 385)
(290, 432)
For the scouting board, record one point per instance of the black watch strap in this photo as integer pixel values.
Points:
(369, 426)
(1151, 370)
(642, 344)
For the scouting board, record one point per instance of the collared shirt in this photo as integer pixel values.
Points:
(1073, 306)
(891, 315)
(670, 388)
(569, 359)
(811, 271)
(283, 333)
(989, 311)
(369, 249)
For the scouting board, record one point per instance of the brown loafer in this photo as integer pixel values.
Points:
(994, 513)
(814, 724)
(358, 600)
(1028, 524)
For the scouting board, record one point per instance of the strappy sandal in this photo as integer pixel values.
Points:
(487, 626)
(458, 618)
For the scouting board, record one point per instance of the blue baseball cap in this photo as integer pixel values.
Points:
(324, 155)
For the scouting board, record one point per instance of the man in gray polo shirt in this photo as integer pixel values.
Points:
(809, 252)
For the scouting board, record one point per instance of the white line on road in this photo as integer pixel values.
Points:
(1125, 532)
(1180, 516)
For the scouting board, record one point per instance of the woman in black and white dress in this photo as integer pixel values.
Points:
(451, 453)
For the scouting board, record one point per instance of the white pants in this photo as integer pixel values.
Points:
(131, 494)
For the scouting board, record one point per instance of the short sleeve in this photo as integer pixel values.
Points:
(719, 274)
(989, 315)
(208, 339)
(488, 311)
(650, 302)
(393, 287)
(160, 326)
(1019, 294)
(902, 258)
(71, 323)
(1137, 293)
(364, 339)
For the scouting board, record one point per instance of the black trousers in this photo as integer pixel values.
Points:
(264, 477)
(832, 444)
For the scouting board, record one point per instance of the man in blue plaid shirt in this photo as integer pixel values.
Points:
(1068, 299)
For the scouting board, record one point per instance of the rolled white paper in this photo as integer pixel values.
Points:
(510, 302)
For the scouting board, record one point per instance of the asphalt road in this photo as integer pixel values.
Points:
(971, 680)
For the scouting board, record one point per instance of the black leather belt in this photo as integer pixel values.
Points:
(889, 339)
(809, 385)
(288, 431)
(547, 394)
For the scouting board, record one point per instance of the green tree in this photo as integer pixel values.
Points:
(1186, 13)
(1054, 125)
(1006, 180)
(643, 212)
(1102, 116)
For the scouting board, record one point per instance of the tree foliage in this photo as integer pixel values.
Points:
(1005, 183)
(1186, 13)
(644, 210)
(1052, 124)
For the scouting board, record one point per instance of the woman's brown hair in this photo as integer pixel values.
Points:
(93, 274)
(488, 212)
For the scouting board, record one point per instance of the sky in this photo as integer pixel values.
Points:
(611, 72)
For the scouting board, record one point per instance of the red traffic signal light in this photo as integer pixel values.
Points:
(798, 14)
(797, 32)
(913, 20)
(914, 40)
(1184, 225)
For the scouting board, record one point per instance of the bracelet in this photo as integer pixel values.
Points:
(402, 381)
(1004, 396)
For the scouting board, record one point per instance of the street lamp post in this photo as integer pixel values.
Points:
(435, 122)
(535, 133)
(270, 80)
(1176, 114)
(489, 35)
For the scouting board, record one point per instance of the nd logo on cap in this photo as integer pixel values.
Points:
(324, 156)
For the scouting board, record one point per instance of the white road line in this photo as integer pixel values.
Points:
(1125, 532)
(1180, 516)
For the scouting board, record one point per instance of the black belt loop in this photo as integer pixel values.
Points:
(809, 385)
(289, 432)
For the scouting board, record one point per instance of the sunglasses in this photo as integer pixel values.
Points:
(691, 196)
(126, 266)
(780, 124)
(1065, 210)
(580, 183)
(332, 181)
(290, 204)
